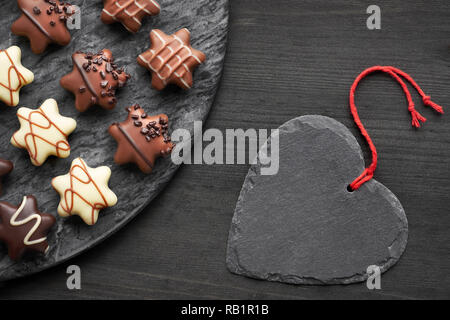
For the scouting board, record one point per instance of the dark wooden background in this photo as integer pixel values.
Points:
(288, 58)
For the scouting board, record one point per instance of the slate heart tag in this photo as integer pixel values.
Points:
(303, 226)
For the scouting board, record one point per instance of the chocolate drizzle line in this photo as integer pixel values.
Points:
(86, 80)
(129, 12)
(17, 221)
(38, 25)
(134, 145)
(19, 76)
(97, 62)
(34, 137)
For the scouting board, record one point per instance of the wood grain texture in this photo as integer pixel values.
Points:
(286, 60)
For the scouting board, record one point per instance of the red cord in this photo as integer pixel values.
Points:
(396, 74)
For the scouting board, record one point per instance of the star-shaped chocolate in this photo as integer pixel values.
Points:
(171, 59)
(94, 80)
(43, 22)
(43, 132)
(129, 12)
(24, 228)
(6, 167)
(13, 75)
(84, 191)
(141, 138)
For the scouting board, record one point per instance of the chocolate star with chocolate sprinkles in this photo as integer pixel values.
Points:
(141, 138)
(43, 22)
(24, 228)
(6, 167)
(94, 80)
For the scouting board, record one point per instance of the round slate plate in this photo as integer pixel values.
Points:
(208, 22)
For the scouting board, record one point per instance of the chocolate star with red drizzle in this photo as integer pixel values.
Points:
(94, 80)
(6, 167)
(141, 138)
(129, 12)
(43, 22)
(171, 59)
(24, 228)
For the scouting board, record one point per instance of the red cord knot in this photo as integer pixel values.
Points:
(427, 101)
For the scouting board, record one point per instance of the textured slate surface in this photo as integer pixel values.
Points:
(302, 225)
(207, 21)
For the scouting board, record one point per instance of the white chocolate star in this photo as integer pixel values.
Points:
(84, 191)
(43, 132)
(13, 76)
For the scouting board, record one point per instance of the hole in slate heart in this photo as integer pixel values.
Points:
(349, 189)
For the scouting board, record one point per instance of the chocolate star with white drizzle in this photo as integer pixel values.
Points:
(129, 12)
(94, 80)
(141, 138)
(43, 22)
(171, 59)
(6, 167)
(24, 228)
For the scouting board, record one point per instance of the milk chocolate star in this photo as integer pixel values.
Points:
(6, 167)
(171, 59)
(94, 80)
(43, 22)
(141, 138)
(129, 12)
(24, 228)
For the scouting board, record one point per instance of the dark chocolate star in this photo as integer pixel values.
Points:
(24, 228)
(6, 167)
(141, 138)
(94, 80)
(43, 22)
(129, 13)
